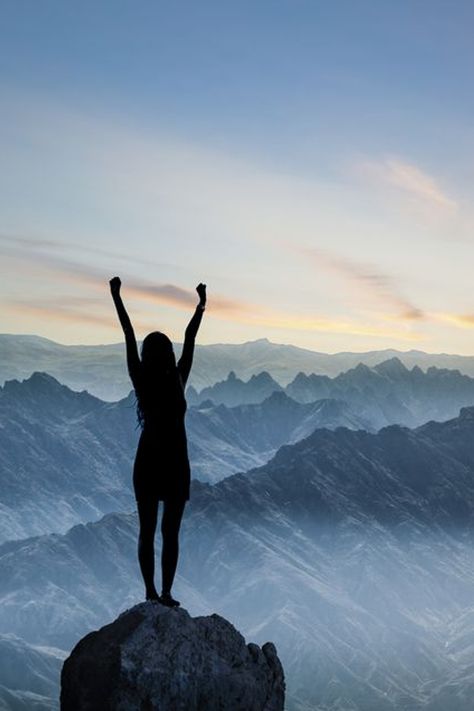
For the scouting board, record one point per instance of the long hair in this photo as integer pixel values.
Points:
(158, 390)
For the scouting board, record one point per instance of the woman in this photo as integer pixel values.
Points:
(161, 470)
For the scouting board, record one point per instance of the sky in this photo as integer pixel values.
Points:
(312, 162)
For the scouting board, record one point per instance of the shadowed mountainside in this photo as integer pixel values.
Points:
(387, 393)
(351, 551)
(67, 457)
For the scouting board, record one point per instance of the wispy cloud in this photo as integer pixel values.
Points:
(87, 275)
(293, 322)
(178, 202)
(52, 310)
(86, 312)
(90, 309)
(173, 295)
(409, 179)
(18, 244)
(460, 320)
(379, 287)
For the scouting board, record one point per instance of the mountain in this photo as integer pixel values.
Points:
(29, 675)
(225, 440)
(351, 550)
(101, 369)
(385, 394)
(234, 391)
(67, 457)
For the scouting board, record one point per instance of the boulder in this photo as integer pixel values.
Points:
(155, 658)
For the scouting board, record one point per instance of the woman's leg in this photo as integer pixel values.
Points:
(170, 523)
(147, 514)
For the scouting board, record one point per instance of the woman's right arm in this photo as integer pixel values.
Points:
(133, 360)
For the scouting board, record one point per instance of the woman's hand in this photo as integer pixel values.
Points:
(201, 290)
(115, 285)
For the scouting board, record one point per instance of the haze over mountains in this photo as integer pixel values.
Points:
(383, 394)
(66, 457)
(314, 524)
(351, 550)
(101, 369)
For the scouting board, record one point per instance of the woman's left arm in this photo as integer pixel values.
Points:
(186, 360)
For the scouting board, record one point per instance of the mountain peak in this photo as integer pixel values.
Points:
(38, 382)
(263, 377)
(359, 369)
(153, 656)
(261, 340)
(391, 367)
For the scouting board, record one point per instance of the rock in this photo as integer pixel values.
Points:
(155, 658)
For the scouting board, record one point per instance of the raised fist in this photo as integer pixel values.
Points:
(201, 290)
(115, 285)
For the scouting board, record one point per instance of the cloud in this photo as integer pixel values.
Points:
(173, 295)
(461, 320)
(324, 325)
(378, 286)
(90, 276)
(15, 242)
(90, 310)
(171, 198)
(54, 310)
(87, 309)
(409, 179)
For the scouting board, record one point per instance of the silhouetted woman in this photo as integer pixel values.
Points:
(161, 470)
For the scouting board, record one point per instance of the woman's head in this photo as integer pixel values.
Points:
(157, 352)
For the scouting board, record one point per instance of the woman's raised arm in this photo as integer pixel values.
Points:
(186, 360)
(133, 360)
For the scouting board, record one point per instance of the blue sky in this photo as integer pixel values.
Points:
(311, 161)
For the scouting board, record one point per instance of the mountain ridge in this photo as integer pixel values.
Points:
(67, 456)
(101, 369)
(352, 551)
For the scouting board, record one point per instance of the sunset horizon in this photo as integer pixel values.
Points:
(311, 164)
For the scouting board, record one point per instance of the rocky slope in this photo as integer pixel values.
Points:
(67, 457)
(159, 658)
(29, 675)
(225, 440)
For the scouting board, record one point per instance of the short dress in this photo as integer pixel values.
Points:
(161, 469)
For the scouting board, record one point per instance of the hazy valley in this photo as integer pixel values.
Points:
(352, 551)
(327, 515)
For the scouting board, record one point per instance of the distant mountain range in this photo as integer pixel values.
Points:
(351, 550)
(101, 369)
(386, 393)
(67, 457)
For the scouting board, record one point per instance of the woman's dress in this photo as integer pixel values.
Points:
(161, 469)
